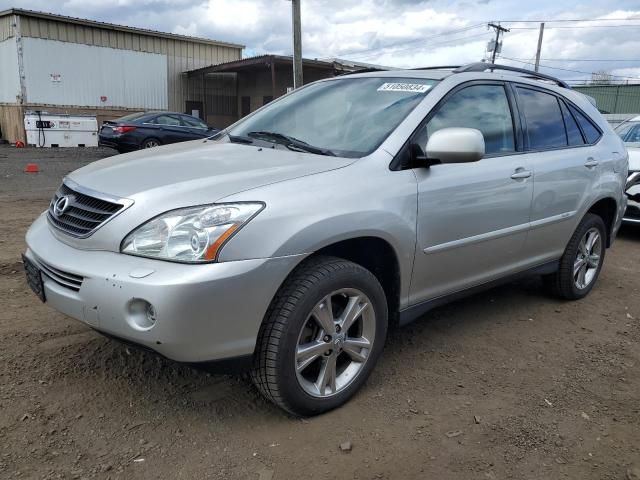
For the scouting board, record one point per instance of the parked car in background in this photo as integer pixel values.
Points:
(629, 131)
(288, 243)
(152, 129)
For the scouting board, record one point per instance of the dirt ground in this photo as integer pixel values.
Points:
(506, 384)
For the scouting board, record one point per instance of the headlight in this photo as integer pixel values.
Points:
(193, 235)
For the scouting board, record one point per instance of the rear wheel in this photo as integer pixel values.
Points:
(582, 260)
(151, 143)
(321, 337)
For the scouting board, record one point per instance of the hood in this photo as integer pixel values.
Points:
(198, 172)
(634, 159)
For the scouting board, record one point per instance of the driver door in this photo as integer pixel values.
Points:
(473, 218)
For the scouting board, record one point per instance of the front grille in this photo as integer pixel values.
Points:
(62, 278)
(83, 213)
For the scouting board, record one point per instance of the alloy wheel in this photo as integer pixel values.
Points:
(334, 343)
(587, 259)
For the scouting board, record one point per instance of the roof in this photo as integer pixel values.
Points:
(266, 60)
(112, 26)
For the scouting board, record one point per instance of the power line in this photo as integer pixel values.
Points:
(424, 41)
(586, 59)
(425, 45)
(574, 20)
(415, 40)
(569, 70)
(572, 27)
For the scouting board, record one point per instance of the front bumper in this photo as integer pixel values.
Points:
(203, 312)
(632, 213)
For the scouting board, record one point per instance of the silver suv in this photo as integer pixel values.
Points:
(291, 241)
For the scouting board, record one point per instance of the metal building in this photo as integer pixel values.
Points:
(614, 99)
(228, 91)
(70, 65)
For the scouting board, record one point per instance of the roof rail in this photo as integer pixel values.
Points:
(439, 67)
(481, 67)
(362, 70)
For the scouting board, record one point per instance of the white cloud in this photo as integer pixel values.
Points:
(406, 33)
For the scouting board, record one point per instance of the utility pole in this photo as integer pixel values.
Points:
(499, 29)
(297, 43)
(539, 46)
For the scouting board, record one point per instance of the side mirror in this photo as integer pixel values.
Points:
(455, 145)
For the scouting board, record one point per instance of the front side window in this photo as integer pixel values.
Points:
(167, 120)
(194, 122)
(545, 124)
(348, 117)
(483, 107)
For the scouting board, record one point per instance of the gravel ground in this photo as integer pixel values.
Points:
(506, 384)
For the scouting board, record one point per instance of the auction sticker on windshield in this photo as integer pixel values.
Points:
(404, 87)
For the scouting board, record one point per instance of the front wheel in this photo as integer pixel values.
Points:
(321, 337)
(582, 260)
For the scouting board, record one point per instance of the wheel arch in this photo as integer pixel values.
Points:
(606, 208)
(373, 253)
(380, 258)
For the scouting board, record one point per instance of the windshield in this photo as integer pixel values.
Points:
(348, 117)
(629, 131)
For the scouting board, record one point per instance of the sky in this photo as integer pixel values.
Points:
(396, 33)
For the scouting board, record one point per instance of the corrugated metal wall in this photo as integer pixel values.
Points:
(182, 55)
(6, 27)
(614, 98)
(9, 79)
(62, 73)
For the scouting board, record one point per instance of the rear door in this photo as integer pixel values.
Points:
(473, 218)
(170, 129)
(561, 144)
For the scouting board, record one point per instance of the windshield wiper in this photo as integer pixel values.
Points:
(291, 142)
(239, 139)
(232, 138)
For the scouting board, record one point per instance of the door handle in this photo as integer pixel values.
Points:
(521, 174)
(591, 163)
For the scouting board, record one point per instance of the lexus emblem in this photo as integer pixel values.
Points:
(61, 205)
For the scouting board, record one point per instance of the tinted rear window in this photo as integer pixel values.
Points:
(131, 117)
(573, 131)
(545, 124)
(591, 132)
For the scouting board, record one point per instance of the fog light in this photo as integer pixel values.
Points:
(141, 315)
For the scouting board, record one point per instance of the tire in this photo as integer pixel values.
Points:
(564, 283)
(150, 143)
(292, 322)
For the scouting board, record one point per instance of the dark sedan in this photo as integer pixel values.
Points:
(151, 129)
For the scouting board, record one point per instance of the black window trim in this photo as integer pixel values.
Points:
(589, 119)
(176, 116)
(403, 159)
(567, 111)
(559, 98)
(184, 123)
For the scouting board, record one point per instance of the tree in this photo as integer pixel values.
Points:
(601, 77)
